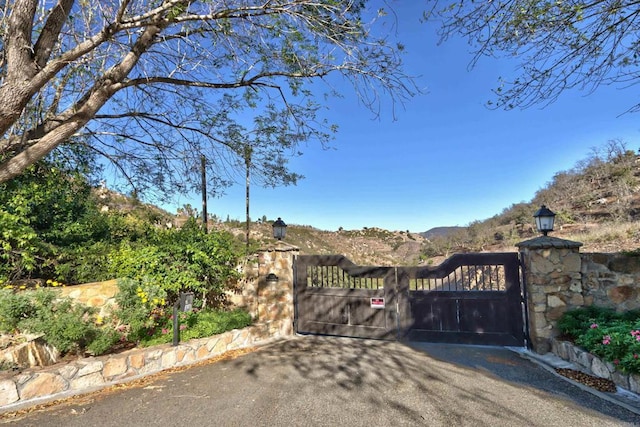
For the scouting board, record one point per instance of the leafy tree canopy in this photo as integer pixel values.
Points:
(48, 206)
(153, 85)
(561, 44)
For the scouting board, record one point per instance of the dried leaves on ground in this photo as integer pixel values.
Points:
(600, 384)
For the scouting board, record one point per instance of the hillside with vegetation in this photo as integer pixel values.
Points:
(597, 202)
(57, 226)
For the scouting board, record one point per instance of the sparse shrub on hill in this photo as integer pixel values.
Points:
(600, 187)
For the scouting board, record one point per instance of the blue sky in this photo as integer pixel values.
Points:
(447, 160)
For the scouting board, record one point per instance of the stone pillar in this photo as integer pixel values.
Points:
(554, 284)
(275, 296)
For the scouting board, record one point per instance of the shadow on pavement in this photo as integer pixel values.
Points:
(459, 384)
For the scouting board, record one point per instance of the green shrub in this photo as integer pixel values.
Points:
(82, 264)
(198, 324)
(578, 321)
(14, 308)
(50, 219)
(214, 322)
(614, 337)
(104, 341)
(138, 304)
(19, 245)
(68, 326)
(179, 260)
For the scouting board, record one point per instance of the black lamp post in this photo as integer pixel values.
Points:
(544, 220)
(279, 229)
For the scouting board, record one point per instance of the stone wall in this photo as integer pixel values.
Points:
(269, 301)
(553, 282)
(559, 278)
(595, 366)
(611, 280)
(65, 379)
(99, 294)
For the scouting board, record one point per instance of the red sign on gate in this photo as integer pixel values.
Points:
(377, 302)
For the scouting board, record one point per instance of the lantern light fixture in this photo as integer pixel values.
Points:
(279, 229)
(544, 220)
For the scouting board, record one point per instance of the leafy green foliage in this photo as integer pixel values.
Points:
(576, 322)
(14, 308)
(68, 326)
(614, 337)
(138, 304)
(211, 322)
(46, 214)
(103, 341)
(198, 324)
(51, 226)
(144, 316)
(18, 245)
(179, 260)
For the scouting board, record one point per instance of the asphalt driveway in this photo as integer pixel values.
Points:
(326, 381)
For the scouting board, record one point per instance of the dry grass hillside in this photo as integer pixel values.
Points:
(597, 202)
(369, 246)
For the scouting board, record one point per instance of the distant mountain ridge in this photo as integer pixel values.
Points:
(597, 203)
(441, 232)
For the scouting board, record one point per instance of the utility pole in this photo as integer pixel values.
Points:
(203, 171)
(247, 162)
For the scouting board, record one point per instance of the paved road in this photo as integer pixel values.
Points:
(324, 381)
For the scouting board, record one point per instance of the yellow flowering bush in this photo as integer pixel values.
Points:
(140, 304)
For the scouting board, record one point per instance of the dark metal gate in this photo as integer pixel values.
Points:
(336, 297)
(470, 298)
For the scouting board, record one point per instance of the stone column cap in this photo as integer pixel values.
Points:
(281, 246)
(544, 242)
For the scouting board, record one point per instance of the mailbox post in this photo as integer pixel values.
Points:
(183, 304)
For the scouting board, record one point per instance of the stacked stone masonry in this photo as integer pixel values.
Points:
(82, 375)
(559, 278)
(611, 280)
(101, 295)
(269, 302)
(595, 366)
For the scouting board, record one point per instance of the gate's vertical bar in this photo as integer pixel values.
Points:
(397, 299)
(296, 286)
(403, 298)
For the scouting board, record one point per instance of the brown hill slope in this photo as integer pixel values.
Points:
(369, 246)
(597, 202)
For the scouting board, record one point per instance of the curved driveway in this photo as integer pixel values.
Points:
(326, 381)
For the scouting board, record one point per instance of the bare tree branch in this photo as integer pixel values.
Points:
(182, 75)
